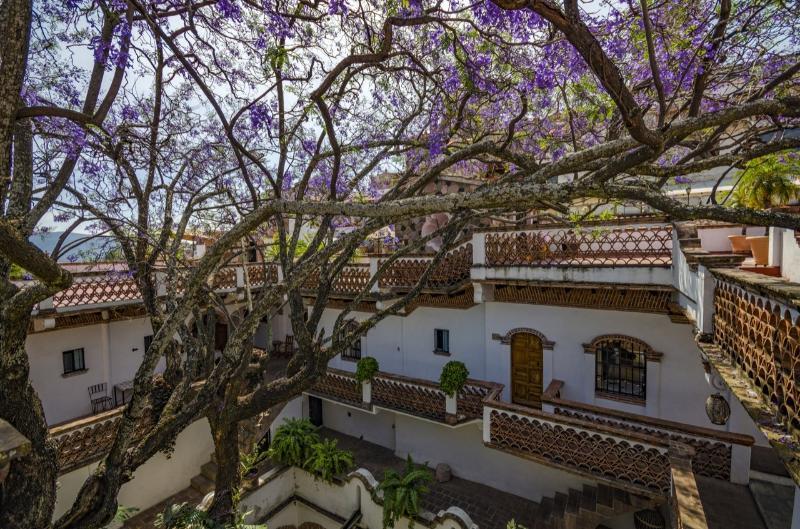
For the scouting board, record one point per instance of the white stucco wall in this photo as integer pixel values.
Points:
(375, 428)
(790, 255)
(158, 478)
(676, 386)
(66, 397)
(463, 449)
(109, 357)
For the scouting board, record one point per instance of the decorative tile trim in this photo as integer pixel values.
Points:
(506, 338)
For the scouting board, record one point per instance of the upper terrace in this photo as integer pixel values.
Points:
(636, 252)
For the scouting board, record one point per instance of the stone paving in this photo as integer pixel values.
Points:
(489, 508)
(727, 505)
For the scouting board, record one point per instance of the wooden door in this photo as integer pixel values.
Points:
(526, 370)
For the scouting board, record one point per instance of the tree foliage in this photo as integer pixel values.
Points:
(402, 492)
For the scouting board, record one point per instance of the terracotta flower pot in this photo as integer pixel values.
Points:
(739, 244)
(760, 248)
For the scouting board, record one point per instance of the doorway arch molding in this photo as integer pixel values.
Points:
(506, 338)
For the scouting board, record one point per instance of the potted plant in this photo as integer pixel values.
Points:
(401, 493)
(452, 380)
(327, 460)
(366, 368)
(766, 182)
(293, 442)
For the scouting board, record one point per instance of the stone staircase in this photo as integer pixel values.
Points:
(250, 432)
(588, 508)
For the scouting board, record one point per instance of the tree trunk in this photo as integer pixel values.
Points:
(29, 492)
(228, 480)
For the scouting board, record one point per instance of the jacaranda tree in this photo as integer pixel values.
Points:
(149, 120)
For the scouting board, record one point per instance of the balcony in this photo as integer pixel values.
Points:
(599, 254)
(628, 451)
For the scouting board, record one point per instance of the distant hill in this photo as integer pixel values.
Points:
(96, 249)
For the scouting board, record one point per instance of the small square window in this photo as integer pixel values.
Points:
(73, 360)
(441, 340)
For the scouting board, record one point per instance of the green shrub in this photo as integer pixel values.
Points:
(401, 493)
(366, 369)
(293, 442)
(454, 376)
(186, 516)
(327, 460)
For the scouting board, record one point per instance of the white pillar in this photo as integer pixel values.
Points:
(451, 409)
(705, 300)
(487, 430)
(366, 392)
(373, 269)
(239, 277)
(482, 292)
(478, 270)
(775, 246)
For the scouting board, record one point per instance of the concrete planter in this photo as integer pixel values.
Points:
(366, 392)
(760, 247)
(739, 244)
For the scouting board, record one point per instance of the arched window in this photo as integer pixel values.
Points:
(621, 365)
(353, 352)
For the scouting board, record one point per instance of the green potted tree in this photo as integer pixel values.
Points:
(766, 182)
(401, 493)
(452, 380)
(366, 369)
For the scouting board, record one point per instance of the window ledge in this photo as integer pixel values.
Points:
(441, 352)
(348, 359)
(75, 373)
(620, 398)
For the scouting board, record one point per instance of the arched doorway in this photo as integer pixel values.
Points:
(526, 369)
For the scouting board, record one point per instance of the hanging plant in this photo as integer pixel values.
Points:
(366, 368)
(454, 376)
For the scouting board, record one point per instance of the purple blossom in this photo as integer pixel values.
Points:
(229, 9)
(260, 116)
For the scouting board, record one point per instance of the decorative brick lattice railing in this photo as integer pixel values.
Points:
(421, 398)
(350, 281)
(225, 278)
(95, 291)
(651, 246)
(635, 461)
(340, 386)
(451, 270)
(262, 274)
(763, 339)
(712, 448)
(83, 441)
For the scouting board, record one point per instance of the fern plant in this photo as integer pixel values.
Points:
(327, 460)
(293, 442)
(402, 493)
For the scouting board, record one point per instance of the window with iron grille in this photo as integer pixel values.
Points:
(354, 351)
(73, 360)
(621, 368)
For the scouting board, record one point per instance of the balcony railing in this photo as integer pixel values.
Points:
(646, 246)
(97, 291)
(413, 396)
(636, 461)
(83, 441)
(716, 454)
(454, 268)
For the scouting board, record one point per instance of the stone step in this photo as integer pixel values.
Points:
(209, 470)
(202, 484)
(573, 502)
